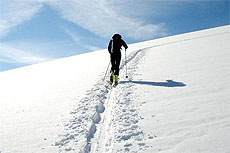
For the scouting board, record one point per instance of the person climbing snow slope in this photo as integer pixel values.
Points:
(114, 49)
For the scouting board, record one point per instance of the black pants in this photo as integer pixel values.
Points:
(115, 62)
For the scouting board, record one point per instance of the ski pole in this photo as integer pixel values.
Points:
(126, 65)
(106, 71)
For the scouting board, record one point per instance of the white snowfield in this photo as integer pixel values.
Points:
(176, 100)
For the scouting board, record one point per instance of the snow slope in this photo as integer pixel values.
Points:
(175, 100)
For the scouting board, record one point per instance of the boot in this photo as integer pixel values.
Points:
(116, 79)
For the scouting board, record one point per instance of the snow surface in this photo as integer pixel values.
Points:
(176, 100)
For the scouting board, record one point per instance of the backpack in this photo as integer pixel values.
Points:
(116, 43)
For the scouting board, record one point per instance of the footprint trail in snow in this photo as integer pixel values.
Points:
(106, 119)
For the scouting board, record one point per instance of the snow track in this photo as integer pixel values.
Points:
(95, 113)
(119, 123)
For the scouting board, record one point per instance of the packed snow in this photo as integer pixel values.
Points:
(175, 100)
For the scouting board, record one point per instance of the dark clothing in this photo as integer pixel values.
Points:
(115, 62)
(114, 49)
(115, 45)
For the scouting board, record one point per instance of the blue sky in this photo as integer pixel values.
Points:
(33, 31)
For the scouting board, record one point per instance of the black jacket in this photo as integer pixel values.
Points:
(115, 45)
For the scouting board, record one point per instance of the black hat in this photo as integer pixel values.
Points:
(116, 36)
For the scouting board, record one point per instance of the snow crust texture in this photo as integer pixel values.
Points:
(175, 100)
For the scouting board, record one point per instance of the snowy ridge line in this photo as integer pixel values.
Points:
(188, 39)
(132, 56)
